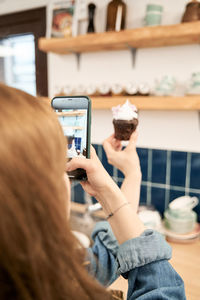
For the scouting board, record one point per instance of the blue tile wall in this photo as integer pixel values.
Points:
(195, 170)
(158, 198)
(120, 174)
(102, 155)
(77, 141)
(166, 175)
(159, 165)
(143, 154)
(143, 194)
(77, 192)
(178, 168)
(175, 194)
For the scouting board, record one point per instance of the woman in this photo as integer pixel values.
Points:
(38, 254)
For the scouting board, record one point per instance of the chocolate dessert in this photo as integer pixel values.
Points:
(124, 129)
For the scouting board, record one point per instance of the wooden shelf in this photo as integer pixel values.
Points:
(70, 113)
(72, 127)
(156, 36)
(148, 102)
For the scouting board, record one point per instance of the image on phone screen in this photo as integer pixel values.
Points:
(74, 125)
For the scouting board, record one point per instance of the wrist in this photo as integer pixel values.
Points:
(111, 198)
(130, 224)
(134, 174)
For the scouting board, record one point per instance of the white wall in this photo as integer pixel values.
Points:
(157, 129)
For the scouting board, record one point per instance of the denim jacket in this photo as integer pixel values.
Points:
(143, 261)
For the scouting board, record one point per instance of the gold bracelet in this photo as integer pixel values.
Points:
(112, 213)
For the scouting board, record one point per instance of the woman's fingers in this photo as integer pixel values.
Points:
(134, 136)
(107, 147)
(133, 140)
(83, 163)
(93, 154)
(79, 162)
(88, 188)
(110, 138)
(111, 145)
(117, 145)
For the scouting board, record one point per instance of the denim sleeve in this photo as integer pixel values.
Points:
(143, 261)
(102, 256)
(155, 281)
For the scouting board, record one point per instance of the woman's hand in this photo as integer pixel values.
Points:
(99, 182)
(127, 160)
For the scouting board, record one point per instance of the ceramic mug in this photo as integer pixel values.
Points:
(183, 204)
(153, 15)
(180, 217)
(194, 84)
(180, 223)
(166, 86)
(195, 79)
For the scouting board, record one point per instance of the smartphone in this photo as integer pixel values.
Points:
(74, 115)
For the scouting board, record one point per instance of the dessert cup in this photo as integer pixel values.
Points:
(124, 129)
(125, 120)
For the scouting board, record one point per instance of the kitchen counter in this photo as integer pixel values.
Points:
(186, 261)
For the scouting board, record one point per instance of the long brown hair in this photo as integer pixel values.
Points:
(38, 256)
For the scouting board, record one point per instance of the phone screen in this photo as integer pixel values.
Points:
(74, 116)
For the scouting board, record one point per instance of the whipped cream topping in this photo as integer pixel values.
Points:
(127, 111)
(72, 151)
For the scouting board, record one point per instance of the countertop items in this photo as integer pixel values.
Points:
(186, 238)
(82, 238)
(180, 221)
(150, 217)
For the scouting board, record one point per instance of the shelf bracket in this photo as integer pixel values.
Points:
(133, 52)
(78, 60)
